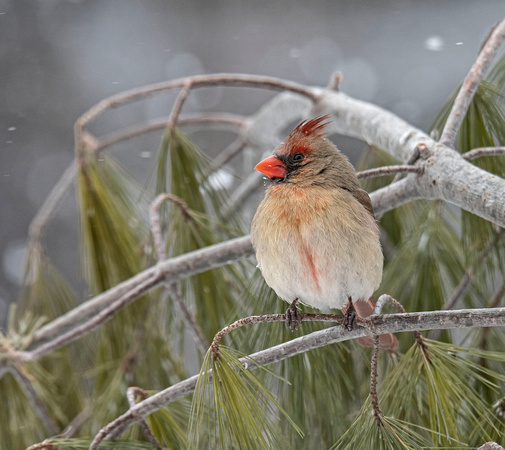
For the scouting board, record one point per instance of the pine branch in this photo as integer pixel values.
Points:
(124, 293)
(377, 324)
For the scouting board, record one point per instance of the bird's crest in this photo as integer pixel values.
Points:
(313, 127)
(298, 142)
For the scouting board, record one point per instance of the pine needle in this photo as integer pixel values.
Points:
(245, 413)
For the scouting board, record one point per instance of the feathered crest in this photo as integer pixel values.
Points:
(313, 127)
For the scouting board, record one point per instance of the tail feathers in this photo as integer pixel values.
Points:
(386, 341)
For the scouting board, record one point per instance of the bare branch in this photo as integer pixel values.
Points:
(388, 170)
(35, 401)
(379, 324)
(174, 288)
(131, 393)
(175, 292)
(50, 205)
(265, 318)
(228, 153)
(197, 81)
(209, 119)
(385, 299)
(393, 196)
(464, 284)
(76, 423)
(377, 412)
(471, 83)
(179, 102)
(483, 151)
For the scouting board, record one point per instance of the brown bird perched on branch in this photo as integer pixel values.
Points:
(314, 233)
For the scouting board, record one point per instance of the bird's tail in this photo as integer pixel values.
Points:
(386, 341)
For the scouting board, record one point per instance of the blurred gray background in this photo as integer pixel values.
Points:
(60, 57)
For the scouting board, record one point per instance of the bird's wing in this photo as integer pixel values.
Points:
(364, 199)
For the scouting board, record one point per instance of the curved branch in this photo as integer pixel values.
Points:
(388, 170)
(471, 83)
(483, 151)
(378, 324)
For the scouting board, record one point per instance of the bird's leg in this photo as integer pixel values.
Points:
(350, 316)
(293, 316)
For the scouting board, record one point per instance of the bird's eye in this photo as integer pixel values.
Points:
(297, 157)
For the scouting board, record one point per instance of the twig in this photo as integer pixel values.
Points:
(470, 272)
(189, 320)
(231, 121)
(483, 151)
(228, 153)
(470, 84)
(467, 278)
(243, 192)
(396, 194)
(381, 324)
(265, 318)
(179, 102)
(35, 401)
(385, 299)
(76, 423)
(174, 288)
(335, 81)
(131, 393)
(388, 170)
(377, 412)
(155, 219)
(51, 203)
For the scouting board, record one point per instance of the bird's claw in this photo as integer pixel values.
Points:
(350, 317)
(293, 316)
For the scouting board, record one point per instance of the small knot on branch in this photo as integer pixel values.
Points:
(424, 151)
(335, 80)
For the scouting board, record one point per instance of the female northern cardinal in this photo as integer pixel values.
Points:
(315, 235)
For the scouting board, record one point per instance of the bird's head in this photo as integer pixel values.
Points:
(305, 157)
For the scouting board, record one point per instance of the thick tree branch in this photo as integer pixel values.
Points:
(378, 324)
(446, 175)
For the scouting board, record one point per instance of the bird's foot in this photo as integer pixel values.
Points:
(293, 316)
(350, 316)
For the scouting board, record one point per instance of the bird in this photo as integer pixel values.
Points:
(314, 234)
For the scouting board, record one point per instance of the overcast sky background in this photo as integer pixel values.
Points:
(60, 57)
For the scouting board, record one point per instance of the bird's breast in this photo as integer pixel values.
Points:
(316, 244)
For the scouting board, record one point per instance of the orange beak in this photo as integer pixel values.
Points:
(272, 167)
